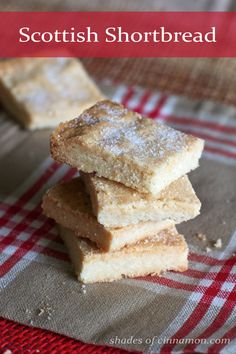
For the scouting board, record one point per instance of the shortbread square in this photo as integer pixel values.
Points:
(166, 250)
(116, 205)
(125, 147)
(69, 205)
(42, 92)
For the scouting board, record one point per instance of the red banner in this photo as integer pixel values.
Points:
(118, 34)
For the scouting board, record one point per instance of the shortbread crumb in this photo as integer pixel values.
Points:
(201, 236)
(218, 243)
(45, 310)
(83, 289)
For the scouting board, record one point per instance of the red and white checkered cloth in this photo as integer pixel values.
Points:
(26, 234)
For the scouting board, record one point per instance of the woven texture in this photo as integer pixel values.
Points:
(201, 78)
(21, 339)
(198, 304)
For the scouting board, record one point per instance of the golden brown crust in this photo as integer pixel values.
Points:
(70, 194)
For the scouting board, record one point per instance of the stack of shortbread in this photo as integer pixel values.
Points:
(118, 218)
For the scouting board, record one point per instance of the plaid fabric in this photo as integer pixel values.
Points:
(198, 78)
(208, 287)
(22, 339)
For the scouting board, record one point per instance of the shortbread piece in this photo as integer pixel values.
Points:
(42, 92)
(125, 147)
(116, 205)
(166, 250)
(69, 205)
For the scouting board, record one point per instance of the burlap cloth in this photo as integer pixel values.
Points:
(143, 308)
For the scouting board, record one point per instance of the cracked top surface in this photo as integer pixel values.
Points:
(110, 128)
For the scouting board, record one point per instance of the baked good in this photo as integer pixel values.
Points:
(165, 251)
(125, 147)
(42, 92)
(116, 205)
(69, 205)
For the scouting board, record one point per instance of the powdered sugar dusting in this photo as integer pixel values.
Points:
(121, 132)
(113, 111)
(142, 141)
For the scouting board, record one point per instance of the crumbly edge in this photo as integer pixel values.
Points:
(77, 222)
(123, 214)
(129, 235)
(91, 190)
(71, 244)
(181, 268)
(126, 215)
(82, 262)
(130, 174)
(176, 166)
(16, 109)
